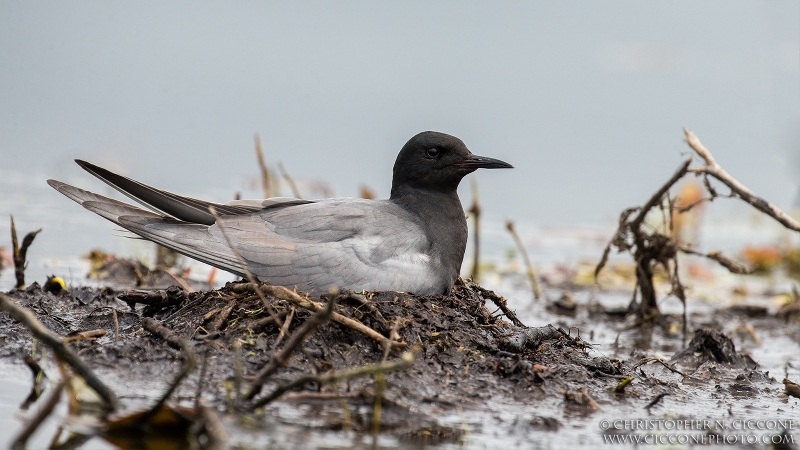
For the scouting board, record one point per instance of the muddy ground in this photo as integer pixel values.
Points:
(479, 381)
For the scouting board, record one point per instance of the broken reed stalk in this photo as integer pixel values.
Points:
(280, 358)
(20, 252)
(289, 180)
(42, 414)
(475, 211)
(190, 362)
(265, 182)
(64, 353)
(246, 271)
(537, 288)
(404, 361)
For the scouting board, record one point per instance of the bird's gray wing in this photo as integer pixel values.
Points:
(347, 243)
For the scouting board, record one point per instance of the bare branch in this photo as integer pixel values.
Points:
(280, 358)
(715, 170)
(656, 198)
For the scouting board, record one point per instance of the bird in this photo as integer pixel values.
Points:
(414, 241)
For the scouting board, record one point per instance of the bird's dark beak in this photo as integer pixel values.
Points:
(482, 162)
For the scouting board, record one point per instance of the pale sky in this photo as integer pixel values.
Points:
(586, 98)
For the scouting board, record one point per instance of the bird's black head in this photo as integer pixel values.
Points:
(437, 161)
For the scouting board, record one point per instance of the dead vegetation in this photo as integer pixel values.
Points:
(658, 247)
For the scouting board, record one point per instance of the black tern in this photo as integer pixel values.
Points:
(412, 242)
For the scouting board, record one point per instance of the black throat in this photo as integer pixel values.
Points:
(442, 216)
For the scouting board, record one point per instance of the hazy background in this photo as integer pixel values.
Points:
(586, 99)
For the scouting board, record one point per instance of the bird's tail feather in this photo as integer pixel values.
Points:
(183, 208)
(190, 239)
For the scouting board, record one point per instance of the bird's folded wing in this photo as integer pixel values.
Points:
(338, 242)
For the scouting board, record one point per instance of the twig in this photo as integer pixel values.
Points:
(238, 370)
(499, 301)
(198, 393)
(38, 377)
(715, 170)
(667, 366)
(263, 322)
(215, 430)
(405, 360)
(181, 282)
(222, 317)
(263, 165)
(250, 277)
(537, 288)
(41, 415)
(279, 359)
(392, 337)
(731, 265)
(161, 298)
(284, 328)
(116, 324)
(152, 325)
(20, 253)
(83, 335)
(656, 400)
(475, 211)
(64, 353)
(380, 387)
(656, 198)
(293, 297)
(289, 180)
(592, 404)
(367, 304)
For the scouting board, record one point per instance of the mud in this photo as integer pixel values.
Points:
(480, 381)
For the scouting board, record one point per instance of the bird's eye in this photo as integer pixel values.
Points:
(432, 152)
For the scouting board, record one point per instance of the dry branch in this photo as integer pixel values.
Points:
(279, 359)
(404, 361)
(64, 353)
(714, 169)
(293, 297)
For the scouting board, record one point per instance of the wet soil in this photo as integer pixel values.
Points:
(480, 381)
